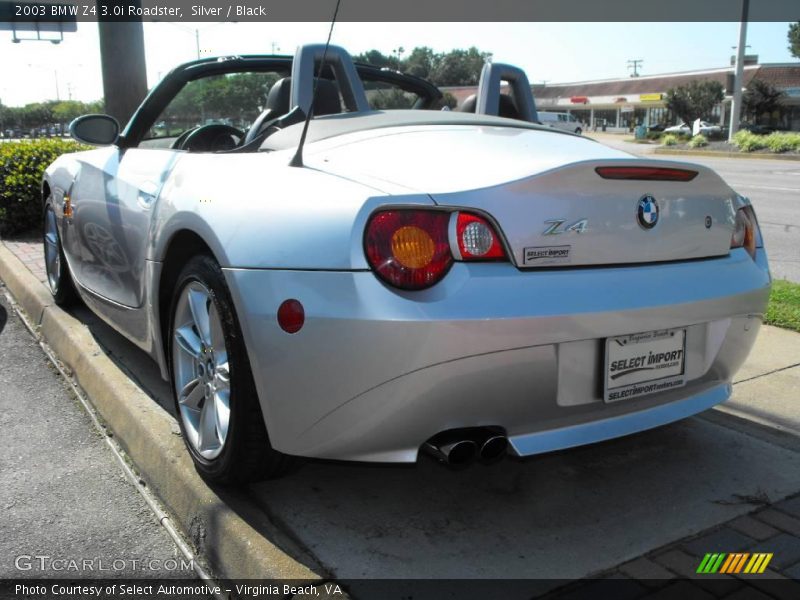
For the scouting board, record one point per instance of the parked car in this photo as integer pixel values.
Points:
(563, 121)
(706, 129)
(755, 128)
(368, 284)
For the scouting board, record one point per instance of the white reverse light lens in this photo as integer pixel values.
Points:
(739, 230)
(477, 239)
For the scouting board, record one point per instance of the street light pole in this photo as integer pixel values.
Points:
(736, 102)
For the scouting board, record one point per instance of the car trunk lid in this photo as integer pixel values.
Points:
(572, 216)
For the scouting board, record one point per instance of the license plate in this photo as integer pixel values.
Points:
(644, 363)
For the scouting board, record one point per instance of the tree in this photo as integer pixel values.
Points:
(377, 58)
(420, 62)
(460, 67)
(695, 100)
(760, 98)
(67, 110)
(794, 39)
(457, 67)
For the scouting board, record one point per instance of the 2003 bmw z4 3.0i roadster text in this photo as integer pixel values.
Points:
(321, 277)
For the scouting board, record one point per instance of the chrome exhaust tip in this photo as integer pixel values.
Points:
(457, 453)
(493, 448)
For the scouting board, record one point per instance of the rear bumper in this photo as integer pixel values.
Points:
(376, 372)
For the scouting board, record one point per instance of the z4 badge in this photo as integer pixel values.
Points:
(554, 226)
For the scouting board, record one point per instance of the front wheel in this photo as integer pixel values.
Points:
(55, 263)
(579, 131)
(213, 389)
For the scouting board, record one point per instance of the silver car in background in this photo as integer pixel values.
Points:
(392, 281)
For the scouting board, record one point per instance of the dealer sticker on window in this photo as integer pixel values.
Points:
(644, 363)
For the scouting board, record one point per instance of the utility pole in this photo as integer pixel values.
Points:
(634, 64)
(736, 102)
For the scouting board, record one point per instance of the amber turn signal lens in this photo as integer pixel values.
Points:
(412, 247)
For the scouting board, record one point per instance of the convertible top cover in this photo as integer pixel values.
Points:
(331, 126)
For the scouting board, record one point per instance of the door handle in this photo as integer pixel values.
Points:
(147, 194)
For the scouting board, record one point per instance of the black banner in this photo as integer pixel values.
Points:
(405, 10)
(391, 589)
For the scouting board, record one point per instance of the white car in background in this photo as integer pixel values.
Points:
(706, 129)
(563, 121)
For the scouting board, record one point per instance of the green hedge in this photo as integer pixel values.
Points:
(670, 139)
(775, 142)
(698, 141)
(21, 167)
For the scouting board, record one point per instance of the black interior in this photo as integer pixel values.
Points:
(326, 102)
(508, 108)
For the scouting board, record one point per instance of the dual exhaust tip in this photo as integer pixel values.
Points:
(461, 447)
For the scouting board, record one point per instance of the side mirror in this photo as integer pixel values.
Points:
(97, 130)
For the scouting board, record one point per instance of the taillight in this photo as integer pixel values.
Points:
(476, 238)
(411, 249)
(646, 173)
(745, 231)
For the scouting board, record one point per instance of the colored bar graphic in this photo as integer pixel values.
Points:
(728, 562)
(736, 562)
(704, 564)
(711, 563)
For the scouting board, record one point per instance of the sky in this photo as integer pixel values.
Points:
(553, 52)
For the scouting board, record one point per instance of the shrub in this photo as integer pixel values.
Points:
(747, 141)
(698, 141)
(669, 140)
(21, 167)
(783, 142)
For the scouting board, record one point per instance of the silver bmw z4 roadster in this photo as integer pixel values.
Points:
(325, 264)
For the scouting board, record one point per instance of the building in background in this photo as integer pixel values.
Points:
(620, 104)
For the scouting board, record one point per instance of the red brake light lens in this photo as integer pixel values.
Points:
(409, 249)
(646, 173)
(477, 239)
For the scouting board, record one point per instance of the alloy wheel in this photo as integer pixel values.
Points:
(52, 253)
(202, 376)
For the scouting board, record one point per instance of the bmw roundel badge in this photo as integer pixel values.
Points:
(647, 212)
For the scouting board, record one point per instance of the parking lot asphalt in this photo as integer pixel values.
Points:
(63, 496)
(773, 187)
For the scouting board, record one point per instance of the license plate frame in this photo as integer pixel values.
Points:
(629, 359)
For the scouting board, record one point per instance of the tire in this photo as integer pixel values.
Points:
(213, 389)
(579, 131)
(59, 279)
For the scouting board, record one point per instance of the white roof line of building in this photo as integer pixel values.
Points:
(661, 75)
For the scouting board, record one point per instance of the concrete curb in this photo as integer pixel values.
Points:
(718, 154)
(221, 525)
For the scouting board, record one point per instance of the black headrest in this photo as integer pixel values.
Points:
(278, 97)
(507, 107)
(326, 102)
(327, 98)
(469, 104)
